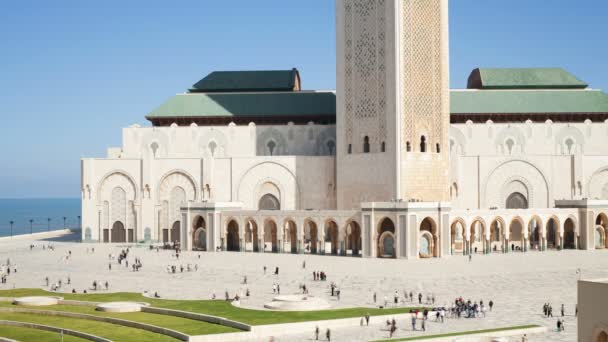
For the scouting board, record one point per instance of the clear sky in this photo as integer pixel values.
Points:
(73, 73)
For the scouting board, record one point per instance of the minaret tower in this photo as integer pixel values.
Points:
(393, 101)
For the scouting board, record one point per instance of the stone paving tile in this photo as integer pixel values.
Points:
(518, 283)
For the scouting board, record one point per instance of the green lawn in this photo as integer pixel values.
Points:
(183, 325)
(426, 337)
(110, 331)
(27, 334)
(215, 307)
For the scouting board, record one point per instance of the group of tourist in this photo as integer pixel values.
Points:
(188, 268)
(469, 309)
(5, 270)
(56, 285)
(327, 334)
(319, 275)
(407, 297)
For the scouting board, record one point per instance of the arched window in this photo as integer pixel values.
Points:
(269, 202)
(366, 144)
(383, 147)
(423, 144)
(331, 147)
(570, 146)
(510, 144)
(350, 148)
(408, 147)
(154, 148)
(437, 148)
(517, 201)
(212, 147)
(271, 145)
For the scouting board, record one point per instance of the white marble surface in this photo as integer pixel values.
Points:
(518, 283)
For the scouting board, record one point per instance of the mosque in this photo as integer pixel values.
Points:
(393, 164)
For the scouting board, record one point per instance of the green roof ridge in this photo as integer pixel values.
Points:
(524, 78)
(252, 80)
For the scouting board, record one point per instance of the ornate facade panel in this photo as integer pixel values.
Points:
(118, 206)
(515, 176)
(365, 77)
(598, 185)
(425, 97)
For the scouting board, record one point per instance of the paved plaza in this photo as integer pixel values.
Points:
(518, 283)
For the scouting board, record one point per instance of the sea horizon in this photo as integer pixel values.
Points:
(39, 210)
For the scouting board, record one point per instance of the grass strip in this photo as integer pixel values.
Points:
(216, 307)
(183, 325)
(427, 337)
(30, 334)
(110, 331)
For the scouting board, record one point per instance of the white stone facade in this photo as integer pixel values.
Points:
(392, 177)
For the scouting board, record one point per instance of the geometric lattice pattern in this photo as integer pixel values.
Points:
(178, 200)
(365, 73)
(424, 78)
(118, 205)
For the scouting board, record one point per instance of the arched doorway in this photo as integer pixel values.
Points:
(271, 243)
(353, 238)
(119, 233)
(569, 234)
(232, 237)
(602, 222)
(478, 236)
(428, 239)
(290, 236)
(269, 202)
(552, 233)
(516, 200)
(252, 237)
(497, 235)
(599, 237)
(175, 233)
(331, 237)
(602, 337)
(516, 235)
(457, 237)
(199, 234)
(535, 233)
(386, 239)
(311, 237)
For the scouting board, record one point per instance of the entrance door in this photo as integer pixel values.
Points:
(106, 235)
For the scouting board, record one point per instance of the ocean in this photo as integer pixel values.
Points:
(21, 211)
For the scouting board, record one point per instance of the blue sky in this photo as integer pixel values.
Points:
(73, 73)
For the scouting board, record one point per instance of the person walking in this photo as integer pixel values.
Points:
(419, 298)
(423, 324)
(559, 325)
(524, 338)
(328, 334)
(491, 304)
(317, 333)
(414, 322)
(367, 319)
(563, 310)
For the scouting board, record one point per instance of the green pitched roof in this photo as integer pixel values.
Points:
(523, 78)
(239, 81)
(528, 101)
(268, 104)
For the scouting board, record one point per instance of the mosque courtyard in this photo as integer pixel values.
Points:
(518, 283)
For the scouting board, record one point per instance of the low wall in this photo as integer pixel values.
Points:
(131, 324)
(261, 331)
(198, 317)
(52, 233)
(53, 329)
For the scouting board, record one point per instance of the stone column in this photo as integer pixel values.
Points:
(525, 245)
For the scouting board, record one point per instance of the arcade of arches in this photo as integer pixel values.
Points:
(291, 232)
(519, 234)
